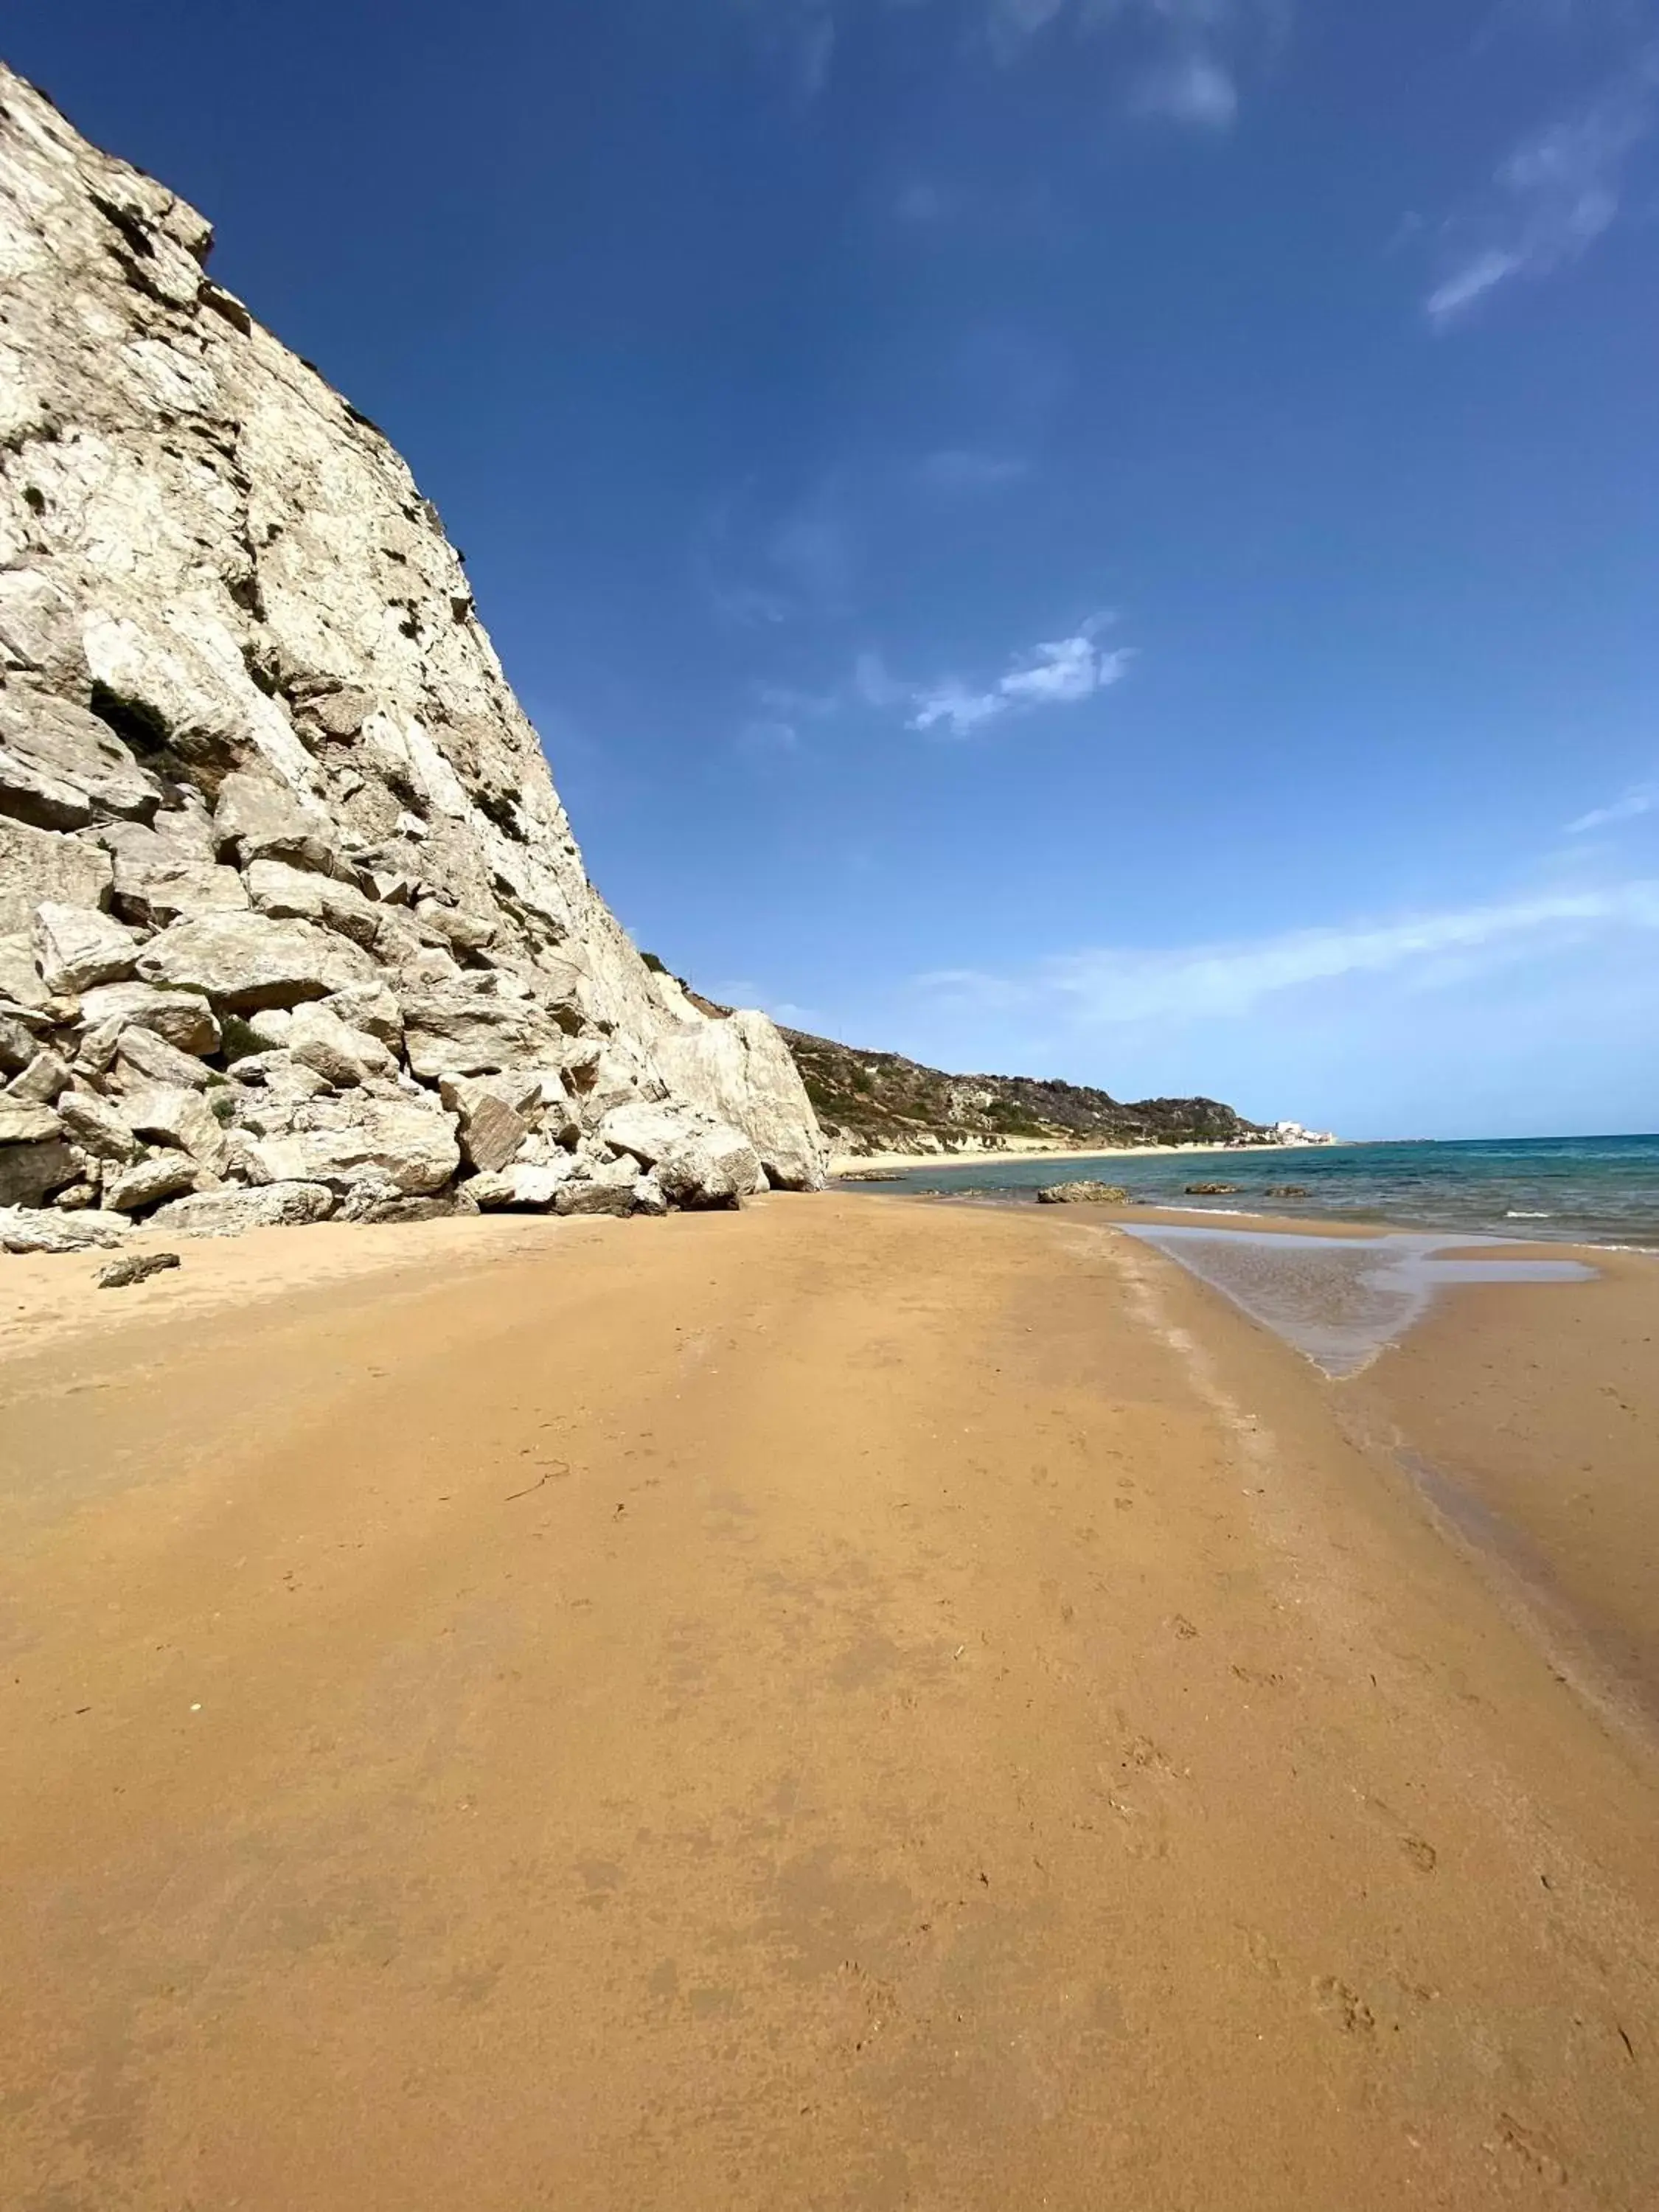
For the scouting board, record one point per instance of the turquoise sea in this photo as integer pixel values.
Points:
(1598, 1190)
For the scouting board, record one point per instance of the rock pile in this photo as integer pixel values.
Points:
(292, 923)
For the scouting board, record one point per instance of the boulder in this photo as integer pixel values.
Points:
(717, 1167)
(370, 1007)
(465, 1033)
(526, 1187)
(75, 946)
(230, 1212)
(494, 1114)
(27, 1229)
(27, 1121)
(407, 1141)
(144, 1057)
(61, 766)
(649, 1196)
(168, 1114)
(135, 1268)
(93, 1125)
(183, 1017)
(289, 893)
(19, 1045)
(30, 1173)
(243, 961)
(147, 1183)
(344, 1057)
(257, 818)
(616, 1198)
(1083, 1193)
(740, 1071)
(45, 1077)
(1212, 1190)
(38, 867)
(20, 987)
(649, 1133)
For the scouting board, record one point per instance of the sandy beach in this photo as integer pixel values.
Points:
(854, 1703)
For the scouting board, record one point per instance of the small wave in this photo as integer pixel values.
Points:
(1518, 1213)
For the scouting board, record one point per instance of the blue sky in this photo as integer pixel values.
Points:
(1115, 538)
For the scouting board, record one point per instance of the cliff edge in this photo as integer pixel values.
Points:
(292, 921)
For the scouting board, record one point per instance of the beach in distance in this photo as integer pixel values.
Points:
(936, 1696)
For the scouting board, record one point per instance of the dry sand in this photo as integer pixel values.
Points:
(856, 1704)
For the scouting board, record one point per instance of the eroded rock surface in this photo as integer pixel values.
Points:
(292, 923)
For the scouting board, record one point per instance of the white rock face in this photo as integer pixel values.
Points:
(258, 754)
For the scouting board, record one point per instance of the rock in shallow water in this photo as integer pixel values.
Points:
(1083, 1193)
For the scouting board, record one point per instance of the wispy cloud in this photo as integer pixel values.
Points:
(1194, 88)
(1059, 673)
(1551, 199)
(965, 469)
(1186, 53)
(1642, 799)
(1111, 986)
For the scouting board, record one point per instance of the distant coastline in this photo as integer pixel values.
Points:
(1033, 1148)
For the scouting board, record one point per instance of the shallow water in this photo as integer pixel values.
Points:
(1341, 1300)
(1597, 1190)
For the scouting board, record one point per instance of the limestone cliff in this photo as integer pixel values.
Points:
(291, 918)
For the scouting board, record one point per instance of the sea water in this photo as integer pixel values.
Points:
(1595, 1190)
(1341, 1300)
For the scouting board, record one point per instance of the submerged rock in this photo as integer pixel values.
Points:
(1083, 1193)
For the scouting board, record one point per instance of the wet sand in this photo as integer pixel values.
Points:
(848, 1705)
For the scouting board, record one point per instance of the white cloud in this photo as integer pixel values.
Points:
(965, 469)
(1641, 801)
(1111, 986)
(1551, 199)
(1058, 674)
(1195, 88)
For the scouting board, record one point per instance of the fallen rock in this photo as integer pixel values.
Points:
(27, 1121)
(246, 961)
(96, 1127)
(43, 1078)
(739, 1071)
(184, 1018)
(38, 867)
(30, 1173)
(24, 1228)
(230, 1212)
(1212, 1190)
(715, 1167)
(75, 946)
(148, 1181)
(321, 1040)
(467, 1034)
(257, 818)
(616, 1198)
(143, 1056)
(492, 1114)
(135, 1268)
(407, 1141)
(168, 1113)
(1083, 1193)
(524, 1186)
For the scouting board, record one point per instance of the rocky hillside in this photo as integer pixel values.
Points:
(292, 923)
(872, 1102)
